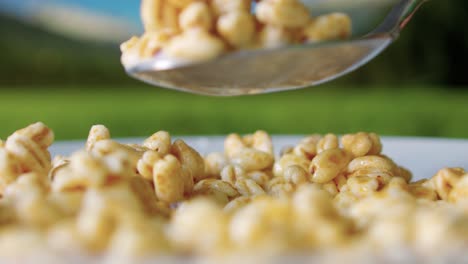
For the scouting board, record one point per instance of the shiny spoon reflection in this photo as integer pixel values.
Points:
(272, 70)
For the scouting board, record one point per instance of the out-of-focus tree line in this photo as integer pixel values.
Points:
(433, 49)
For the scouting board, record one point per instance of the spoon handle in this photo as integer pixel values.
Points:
(400, 15)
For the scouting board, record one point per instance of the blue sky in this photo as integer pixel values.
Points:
(128, 9)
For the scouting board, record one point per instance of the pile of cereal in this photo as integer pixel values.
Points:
(163, 198)
(197, 30)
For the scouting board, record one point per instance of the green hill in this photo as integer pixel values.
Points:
(33, 55)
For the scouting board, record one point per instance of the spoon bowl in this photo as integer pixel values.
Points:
(272, 70)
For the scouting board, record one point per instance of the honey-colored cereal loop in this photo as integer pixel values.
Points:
(382, 176)
(372, 162)
(260, 177)
(190, 159)
(144, 191)
(282, 13)
(262, 225)
(127, 201)
(26, 184)
(237, 203)
(208, 185)
(146, 163)
(193, 166)
(199, 30)
(9, 169)
(328, 164)
(180, 3)
(227, 6)
(39, 133)
(331, 188)
(195, 44)
(83, 171)
(361, 185)
(289, 160)
(158, 14)
(214, 164)
(248, 187)
(196, 15)
(445, 179)
(35, 139)
(58, 163)
(96, 133)
(30, 155)
(271, 37)
(333, 26)
(233, 144)
(120, 164)
(422, 192)
(281, 189)
(340, 181)
(168, 179)
(405, 173)
(231, 173)
(329, 141)
(286, 150)
(459, 194)
(296, 175)
(253, 160)
(199, 225)
(362, 144)
(153, 42)
(261, 141)
(308, 146)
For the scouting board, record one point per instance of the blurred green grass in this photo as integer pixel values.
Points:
(140, 110)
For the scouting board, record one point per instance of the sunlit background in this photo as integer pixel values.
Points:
(59, 64)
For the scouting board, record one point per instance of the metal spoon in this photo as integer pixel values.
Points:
(272, 70)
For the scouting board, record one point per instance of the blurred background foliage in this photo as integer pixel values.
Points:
(417, 87)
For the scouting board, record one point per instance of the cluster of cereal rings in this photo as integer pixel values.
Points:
(163, 198)
(197, 30)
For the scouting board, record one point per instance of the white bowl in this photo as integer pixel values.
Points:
(422, 156)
